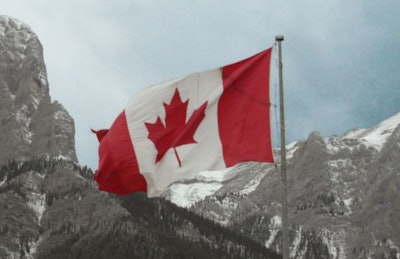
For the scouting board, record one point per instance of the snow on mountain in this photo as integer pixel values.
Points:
(275, 226)
(185, 195)
(291, 149)
(251, 185)
(3, 181)
(342, 195)
(207, 183)
(376, 136)
(35, 199)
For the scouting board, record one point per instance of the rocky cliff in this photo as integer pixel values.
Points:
(31, 125)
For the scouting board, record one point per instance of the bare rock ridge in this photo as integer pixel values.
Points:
(31, 125)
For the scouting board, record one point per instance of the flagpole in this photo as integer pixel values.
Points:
(285, 219)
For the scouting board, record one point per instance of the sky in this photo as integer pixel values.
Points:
(341, 58)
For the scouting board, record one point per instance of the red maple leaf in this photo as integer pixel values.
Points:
(176, 131)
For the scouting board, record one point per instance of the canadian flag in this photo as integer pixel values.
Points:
(172, 131)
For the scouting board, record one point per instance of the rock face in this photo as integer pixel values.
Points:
(343, 196)
(30, 124)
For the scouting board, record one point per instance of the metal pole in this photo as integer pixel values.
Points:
(285, 219)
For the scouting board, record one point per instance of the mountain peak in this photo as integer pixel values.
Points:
(8, 25)
(377, 135)
(29, 121)
(340, 190)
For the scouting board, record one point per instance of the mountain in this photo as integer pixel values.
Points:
(50, 206)
(343, 190)
(343, 196)
(30, 124)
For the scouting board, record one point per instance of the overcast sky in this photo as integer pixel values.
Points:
(341, 58)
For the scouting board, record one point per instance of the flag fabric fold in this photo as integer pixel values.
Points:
(172, 131)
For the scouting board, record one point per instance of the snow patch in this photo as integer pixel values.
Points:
(274, 226)
(213, 176)
(331, 146)
(290, 149)
(61, 157)
(252, 185)
(296, 242)
(377, 135)
(353, 134)
(33, 245)
(392, 245)
(347, 202)
(337, 167)
(21, 55)
(37, 202)
(23, 117)
(185, 195)
(218, 219)
(35, 102)
(27, 135)
(334, 242)
(3, 181)
(334, 176)
(35, 199)
(228, 206)
(42, 78)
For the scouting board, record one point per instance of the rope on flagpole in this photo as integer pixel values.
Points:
(284, 186)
